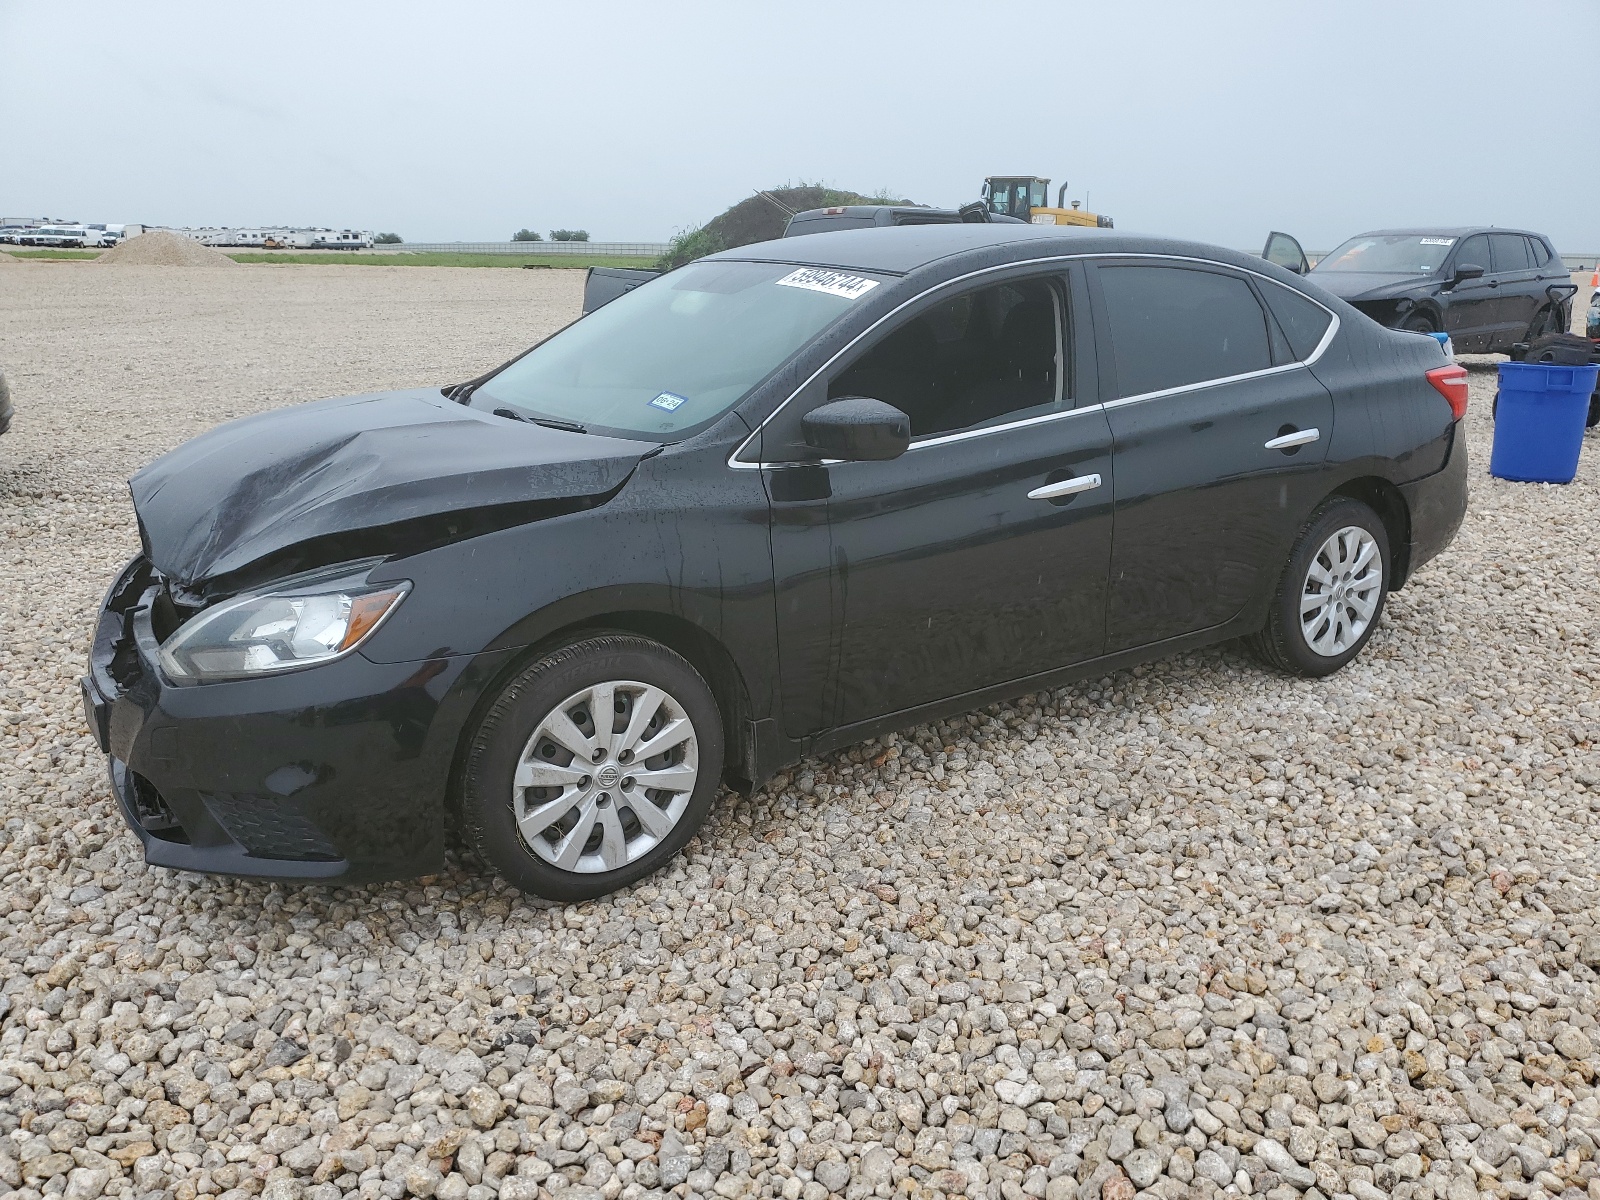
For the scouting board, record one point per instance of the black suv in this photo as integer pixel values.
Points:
(1490, 289)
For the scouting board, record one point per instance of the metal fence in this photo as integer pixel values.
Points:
(536, 249)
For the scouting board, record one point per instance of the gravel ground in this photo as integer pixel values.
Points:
(1193, 929)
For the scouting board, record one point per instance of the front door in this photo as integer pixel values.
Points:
(1220, 441)
(977, 557)
(1473, 315)
(1284, 250)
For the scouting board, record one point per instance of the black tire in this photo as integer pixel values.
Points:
(1282, 642)
(488, 816)
(1418, 323)
(1594, 412)
(1546, 324)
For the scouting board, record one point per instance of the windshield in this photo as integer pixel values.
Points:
(1389, 254)
(677, 352)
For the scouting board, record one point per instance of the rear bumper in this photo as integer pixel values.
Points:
(335, 773)
(1437, 504)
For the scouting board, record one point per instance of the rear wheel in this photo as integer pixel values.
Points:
(1546, 323)
(594, 766)
(1332, 592)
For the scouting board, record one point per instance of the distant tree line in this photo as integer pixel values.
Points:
(556, 235)
(387, 239)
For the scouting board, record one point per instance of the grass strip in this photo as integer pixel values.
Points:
(442, 259)
(17, 252)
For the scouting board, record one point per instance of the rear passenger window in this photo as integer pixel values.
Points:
(1303, 321)
(1510, 252)
(1172, 326)
(1540, 254)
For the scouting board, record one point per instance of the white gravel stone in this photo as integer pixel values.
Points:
(1193, 917)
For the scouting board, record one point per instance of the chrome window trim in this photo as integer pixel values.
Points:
(737, 464)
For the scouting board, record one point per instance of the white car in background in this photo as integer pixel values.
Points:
(57, 236)
(103, 235)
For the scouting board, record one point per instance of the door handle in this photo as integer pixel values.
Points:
(1494, 283)
(1300, 437)
(1067, 487)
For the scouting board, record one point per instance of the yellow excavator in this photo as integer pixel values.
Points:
(1027, 198)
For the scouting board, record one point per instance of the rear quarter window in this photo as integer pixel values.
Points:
(1304, 322)
(1174, 326)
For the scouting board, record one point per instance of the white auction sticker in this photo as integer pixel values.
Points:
(834, 283)
(1438, 241)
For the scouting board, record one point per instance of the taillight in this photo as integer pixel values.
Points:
(1451, 383)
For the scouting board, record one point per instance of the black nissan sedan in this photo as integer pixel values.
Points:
(780, 500)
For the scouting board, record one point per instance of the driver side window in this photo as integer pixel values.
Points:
(986, 357)
(1475, 250)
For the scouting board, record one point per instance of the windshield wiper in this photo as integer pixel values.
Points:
(557, 423)
(547, 422)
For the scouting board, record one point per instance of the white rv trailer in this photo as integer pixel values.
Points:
(343, 239)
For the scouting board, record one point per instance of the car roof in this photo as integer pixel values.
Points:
(1444, 231)
(899, 250)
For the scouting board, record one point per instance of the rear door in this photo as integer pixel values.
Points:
(1521, 290)
(1219, 438)
(1472, 312)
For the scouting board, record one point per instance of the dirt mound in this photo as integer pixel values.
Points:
(7, 260)
(161, 249)
(760, 218)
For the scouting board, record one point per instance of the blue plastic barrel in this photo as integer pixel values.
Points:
(1538, 428)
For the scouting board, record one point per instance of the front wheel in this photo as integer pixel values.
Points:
(1417, 323)
(1331, 594)
(594, 766)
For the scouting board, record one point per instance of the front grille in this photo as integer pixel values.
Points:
(270, 827)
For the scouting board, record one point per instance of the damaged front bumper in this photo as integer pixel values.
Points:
(337, 772)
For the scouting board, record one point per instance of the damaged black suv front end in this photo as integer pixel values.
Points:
(330, 774)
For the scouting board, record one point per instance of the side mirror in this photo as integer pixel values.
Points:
(1467, 271)
(857, 429)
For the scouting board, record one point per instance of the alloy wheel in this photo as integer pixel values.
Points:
(1342, 588)
(605, 777)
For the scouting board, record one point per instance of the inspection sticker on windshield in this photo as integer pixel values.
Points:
(1438, 241)
(834, 283)
(668, 401)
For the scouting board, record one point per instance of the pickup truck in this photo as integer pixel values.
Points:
(605, 284)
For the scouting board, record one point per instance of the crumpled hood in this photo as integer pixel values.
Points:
(1362, 285)
(254, 488)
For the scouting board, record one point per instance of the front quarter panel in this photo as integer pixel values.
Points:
(685, 538)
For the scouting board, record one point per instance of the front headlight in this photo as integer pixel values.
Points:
(298, 626)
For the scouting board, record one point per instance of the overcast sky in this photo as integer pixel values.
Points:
(468, 120)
